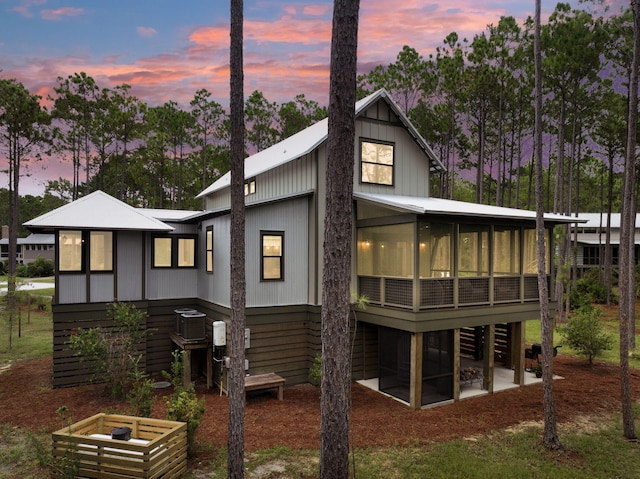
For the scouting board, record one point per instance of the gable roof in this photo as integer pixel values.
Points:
(439, 206)
(97, 211)
(310, 138)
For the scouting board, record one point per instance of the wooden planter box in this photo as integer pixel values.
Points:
(157, 448)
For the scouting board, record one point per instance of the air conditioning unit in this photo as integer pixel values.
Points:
(193, 326)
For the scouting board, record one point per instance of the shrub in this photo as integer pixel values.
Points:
(315, 371)
(586, 334)
(40, 267)
(140, 394)
(113, 352)
(183, 405)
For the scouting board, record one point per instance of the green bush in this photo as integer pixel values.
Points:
(315, 371)
(183, 405)
(589, 289)
(40, 267)
(113, 352)
(585, 333)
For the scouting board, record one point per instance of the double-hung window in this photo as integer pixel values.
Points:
(272, 256)
(209, 249)
(376, 162)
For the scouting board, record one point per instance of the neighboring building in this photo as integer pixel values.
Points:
(447, 281)
(591, 240)
(28, 249)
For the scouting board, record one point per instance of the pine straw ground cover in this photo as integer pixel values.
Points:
(28, 403)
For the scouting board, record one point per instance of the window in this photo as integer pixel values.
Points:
(77, 247)
(162, 252)
(376, 162)
(186, 252)
(174, 252)
(250, 187)
(436, 255)
(530, 252)
(209, 249)
(272, 266)
(70, 250)
(101, 250)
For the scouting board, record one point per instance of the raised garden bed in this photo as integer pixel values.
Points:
(157, 448)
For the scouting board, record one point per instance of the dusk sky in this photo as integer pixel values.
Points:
(167, 50)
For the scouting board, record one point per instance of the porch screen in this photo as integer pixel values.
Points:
(473, 250)
(394, 362)
(437, 366)
(531, 252)
(435, 250)
(386, 251)
(506, 251)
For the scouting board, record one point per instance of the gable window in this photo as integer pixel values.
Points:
(376, 162)
(162, 252)
(209, 249)
(70, 250)
(272, 256)
(250, 187)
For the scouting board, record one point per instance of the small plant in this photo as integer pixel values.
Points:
(183, 405)
(586, 334)
(537, 370)
(140, 395)
(315, 371)
(113, 352)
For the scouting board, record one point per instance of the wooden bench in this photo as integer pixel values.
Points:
(264, 381)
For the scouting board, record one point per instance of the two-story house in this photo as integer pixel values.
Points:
(446, 281)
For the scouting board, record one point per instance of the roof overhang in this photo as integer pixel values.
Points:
(439, 206)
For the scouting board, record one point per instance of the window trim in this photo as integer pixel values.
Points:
(263, 234)
(392, 166)
(208, 251)
(175, 244)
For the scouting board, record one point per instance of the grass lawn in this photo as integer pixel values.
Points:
(611, 323)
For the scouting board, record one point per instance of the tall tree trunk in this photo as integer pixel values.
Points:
(238, 282)
(550, 435)
(336, 275)
(627, 296)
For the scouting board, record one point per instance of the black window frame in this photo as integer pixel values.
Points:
(175, 242)
(263, 234)
(392, 166)
(85, 252)
(208, 251)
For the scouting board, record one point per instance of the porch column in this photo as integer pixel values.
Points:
(518, 341)
(489, 356)
(415, 387)
(456, 364)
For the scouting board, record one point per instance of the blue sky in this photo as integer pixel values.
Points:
(168, 49)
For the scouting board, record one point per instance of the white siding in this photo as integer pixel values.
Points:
(214, 287)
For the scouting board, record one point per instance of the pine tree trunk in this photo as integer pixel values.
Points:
(336, 386)
(550, 434)
(238, 282)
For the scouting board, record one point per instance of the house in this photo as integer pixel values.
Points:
(591, 240)
(449, 283)
(28, 249)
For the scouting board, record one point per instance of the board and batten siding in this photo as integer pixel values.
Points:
(101, 287)
(214, 287)
(130, 266)
(289, 179)
(71, 288)
(411, 166)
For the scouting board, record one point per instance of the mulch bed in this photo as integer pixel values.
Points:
(28, 401)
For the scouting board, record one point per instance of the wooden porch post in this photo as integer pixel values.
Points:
(489, 354)
(518, 340)
(415, 388)
(456, 364)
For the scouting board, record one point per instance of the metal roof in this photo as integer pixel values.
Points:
(98, 211)
(596, 220)
(438, 206)
(309, 139)
(40, 238)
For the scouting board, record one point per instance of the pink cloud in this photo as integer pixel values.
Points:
(146, 31)
(25, 6)
(317, 9)
(61, 12)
